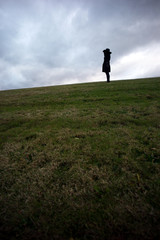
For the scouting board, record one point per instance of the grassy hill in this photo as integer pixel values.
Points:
(81, 161)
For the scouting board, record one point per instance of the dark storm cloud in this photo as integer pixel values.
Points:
(49, 42)
(127, 24)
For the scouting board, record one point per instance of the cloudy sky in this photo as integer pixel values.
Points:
(51, 42)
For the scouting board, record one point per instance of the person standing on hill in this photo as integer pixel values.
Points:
(106, 64)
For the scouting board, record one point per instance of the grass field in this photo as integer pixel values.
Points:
(81, 162)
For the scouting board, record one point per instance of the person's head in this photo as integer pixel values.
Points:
(107, 50)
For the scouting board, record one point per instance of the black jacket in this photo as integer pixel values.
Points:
(106, 64)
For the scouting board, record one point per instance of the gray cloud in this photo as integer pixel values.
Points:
(59, 42)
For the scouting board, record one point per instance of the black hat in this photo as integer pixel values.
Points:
(108, 50)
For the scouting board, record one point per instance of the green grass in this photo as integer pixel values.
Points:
(81, 161)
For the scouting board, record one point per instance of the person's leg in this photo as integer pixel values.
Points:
(108, 76)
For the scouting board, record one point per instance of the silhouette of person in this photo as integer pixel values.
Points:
(106, 64)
